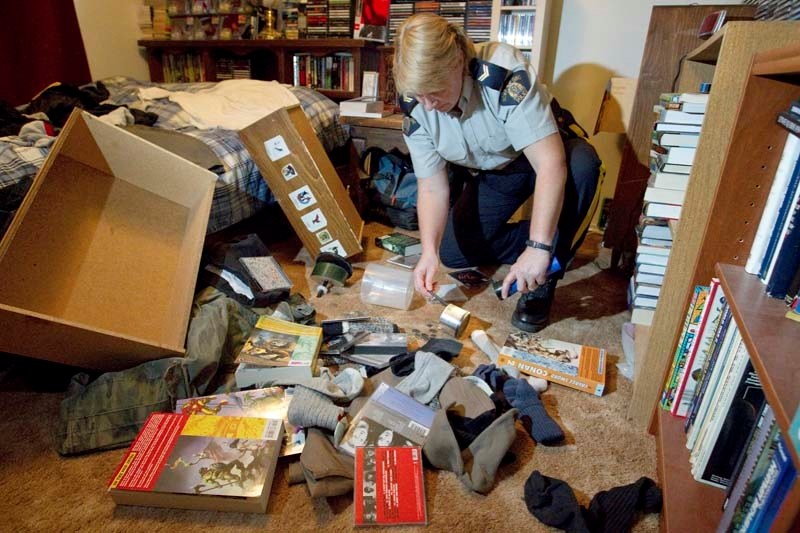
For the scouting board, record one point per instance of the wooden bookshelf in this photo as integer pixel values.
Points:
(736, 158)
(723, 205)
(271, 59)
(688, 504)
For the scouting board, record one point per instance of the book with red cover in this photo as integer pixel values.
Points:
(389, 488)
(205, 462)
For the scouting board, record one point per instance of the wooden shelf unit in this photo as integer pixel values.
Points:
(725, 196)
(272, 59)
(541, 22)
(722, 231)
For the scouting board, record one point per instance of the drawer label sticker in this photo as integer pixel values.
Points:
(302, 198)
(314, 220)
(324, 236)
(334, 247)
(289, 172)
(276, 148)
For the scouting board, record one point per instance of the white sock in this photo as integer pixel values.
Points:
(485, 344)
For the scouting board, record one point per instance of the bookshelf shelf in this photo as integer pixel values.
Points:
(770, 338)
(540, 11)
(271, 59)
(708, 52)
(688, 504)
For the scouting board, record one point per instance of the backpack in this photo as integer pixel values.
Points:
(392, 192)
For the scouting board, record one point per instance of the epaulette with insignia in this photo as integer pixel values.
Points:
(407, 104)
(488, 74)
(518, 85)
(410, 125)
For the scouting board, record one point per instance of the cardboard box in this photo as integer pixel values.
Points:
(99, 265)
(303, 180)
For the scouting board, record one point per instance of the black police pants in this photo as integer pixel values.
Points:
(478, 231)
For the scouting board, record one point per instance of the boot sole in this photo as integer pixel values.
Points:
(528, 327)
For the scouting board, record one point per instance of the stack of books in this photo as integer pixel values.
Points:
(731, 430)
(775, 253)
(674, 142)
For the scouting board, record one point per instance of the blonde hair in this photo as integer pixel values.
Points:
(427, 51)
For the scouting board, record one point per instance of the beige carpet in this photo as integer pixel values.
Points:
(42, 491)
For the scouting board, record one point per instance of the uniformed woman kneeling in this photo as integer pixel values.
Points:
(480, 108)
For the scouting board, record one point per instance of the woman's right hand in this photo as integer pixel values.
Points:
(425, 273)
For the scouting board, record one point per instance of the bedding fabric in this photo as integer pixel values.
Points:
(240, 190)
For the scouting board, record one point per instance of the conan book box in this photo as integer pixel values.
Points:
(573, 365)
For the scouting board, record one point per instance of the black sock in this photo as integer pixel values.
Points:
(613, 510)
(553, 503)
(467, 429)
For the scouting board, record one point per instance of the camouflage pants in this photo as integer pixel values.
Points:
(108, 412)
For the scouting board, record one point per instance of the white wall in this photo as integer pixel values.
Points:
(110, 31)
(589, 42)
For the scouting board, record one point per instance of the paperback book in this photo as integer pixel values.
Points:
(400, 243)
(363, 106)
(576, 366)
(204, 462)
(388, 486)
(272, 402)
(388, 418)
(284, 350)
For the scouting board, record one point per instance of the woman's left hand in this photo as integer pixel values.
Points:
(529, 271)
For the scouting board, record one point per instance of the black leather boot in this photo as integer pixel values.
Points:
(533, 308)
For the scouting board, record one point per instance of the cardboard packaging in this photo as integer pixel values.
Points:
(99, 265)
(303, 180)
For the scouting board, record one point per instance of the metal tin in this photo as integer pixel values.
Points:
(455, 318)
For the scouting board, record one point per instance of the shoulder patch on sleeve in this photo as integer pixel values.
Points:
(517, 87)
(410, 125)
(407, 104)
(488, 74)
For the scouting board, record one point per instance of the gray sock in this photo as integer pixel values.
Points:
(429, 376)
(476, 466)
(342, 388)
(441, 447)
(310, 408)
(483, 457)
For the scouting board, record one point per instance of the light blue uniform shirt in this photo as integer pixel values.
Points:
(487, 134)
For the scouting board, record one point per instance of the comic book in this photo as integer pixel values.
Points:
(271, 402)
(286, 350)
(388, 486)
(389, 418)
(204, 462)
(580, 367)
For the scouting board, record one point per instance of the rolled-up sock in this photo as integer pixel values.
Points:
(614, 510)
(553, 503)
(493, 376)
(310, 408)
(521, 395)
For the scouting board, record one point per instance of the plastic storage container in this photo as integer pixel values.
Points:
(387, 286)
